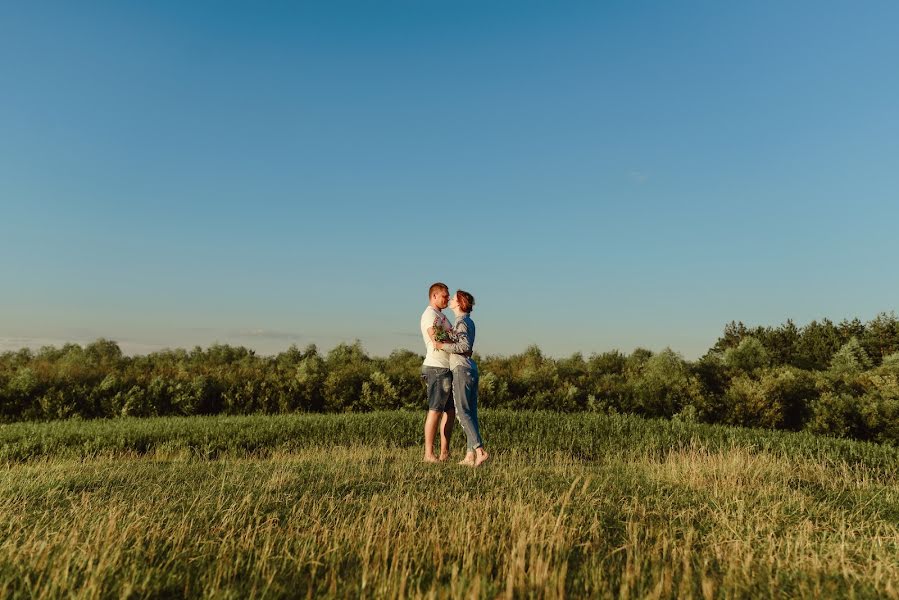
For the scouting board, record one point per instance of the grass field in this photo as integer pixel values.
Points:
(341, 505)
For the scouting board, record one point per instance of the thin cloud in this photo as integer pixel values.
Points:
(637, 176)
(14, 344)
(406, 334)
(267, 334)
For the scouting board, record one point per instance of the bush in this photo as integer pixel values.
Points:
(665, 385)
(871, 416)
(779, 398)
(493, 391)
(743, 381)
(379, 393)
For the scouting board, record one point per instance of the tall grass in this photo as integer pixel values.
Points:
(582, 436)
(342, 506)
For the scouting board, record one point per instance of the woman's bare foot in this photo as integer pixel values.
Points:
(468, 461)
(481, 457)
(443, 457)
(430, 458)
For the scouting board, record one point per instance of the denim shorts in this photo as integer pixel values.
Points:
(439, 382)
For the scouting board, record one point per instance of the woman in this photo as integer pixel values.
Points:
(465, 377)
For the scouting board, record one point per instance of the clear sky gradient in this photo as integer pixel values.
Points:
(599, 175)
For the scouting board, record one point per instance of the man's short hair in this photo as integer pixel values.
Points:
(437, 287)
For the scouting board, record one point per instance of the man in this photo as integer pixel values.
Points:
(435, 372)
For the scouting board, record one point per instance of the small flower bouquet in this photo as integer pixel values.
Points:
(441, 333)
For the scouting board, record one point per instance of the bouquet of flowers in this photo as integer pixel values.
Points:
(441, 333)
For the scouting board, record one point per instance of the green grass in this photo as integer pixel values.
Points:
(341, 505)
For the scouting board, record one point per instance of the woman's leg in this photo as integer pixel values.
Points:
(481, 455)
(465, 389)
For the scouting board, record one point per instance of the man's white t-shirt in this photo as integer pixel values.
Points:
(434, 357)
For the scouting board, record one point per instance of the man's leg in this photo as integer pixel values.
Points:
(446, 431)
(449, 414)
(439, 384)
(432, 421)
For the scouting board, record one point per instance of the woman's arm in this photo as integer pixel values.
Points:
(462, 344)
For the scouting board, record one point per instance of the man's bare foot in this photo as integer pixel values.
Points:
(431, 458)
(481, 457)
(468, 461)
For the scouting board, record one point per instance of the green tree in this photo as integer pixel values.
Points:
(734, 333)
(348, 368)
(850, 359)
(748, 356)
(309, 381)
(817, 345)
(881, 337)
(781, 343)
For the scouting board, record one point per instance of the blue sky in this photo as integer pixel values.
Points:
(599, 175)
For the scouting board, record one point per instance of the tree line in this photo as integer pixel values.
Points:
(837, 379)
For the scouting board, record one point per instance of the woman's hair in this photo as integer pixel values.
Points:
(465, 300)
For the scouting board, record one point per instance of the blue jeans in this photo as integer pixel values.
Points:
(465, 396)
(439, 382)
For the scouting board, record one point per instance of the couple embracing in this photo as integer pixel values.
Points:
(451, 375)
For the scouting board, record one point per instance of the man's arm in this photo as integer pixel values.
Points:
(427, 325)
